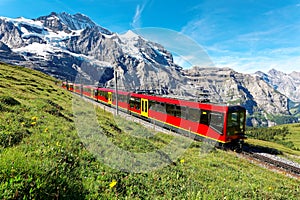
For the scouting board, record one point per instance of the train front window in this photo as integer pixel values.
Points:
(235, 123)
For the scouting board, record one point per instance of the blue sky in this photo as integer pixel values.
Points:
(246, 35)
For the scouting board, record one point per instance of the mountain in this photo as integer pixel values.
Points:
(74, 48)
(265, 105)
(69, 46)
(288, 84)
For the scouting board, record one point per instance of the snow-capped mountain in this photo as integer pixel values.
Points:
(65, 46)
(74, 48)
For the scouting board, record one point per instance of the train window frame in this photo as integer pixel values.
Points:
(178, 111)
(157, 106)
(236, 125)
(192, 114)
(135, 103)
(219, 127)
(170, 109)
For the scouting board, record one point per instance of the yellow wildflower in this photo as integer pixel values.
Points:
(23, 123)
(46, 130)
(113, 184)
(270, 188)
(33, 123)
(34, 118)
(181, 161)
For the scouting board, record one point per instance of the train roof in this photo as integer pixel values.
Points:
(191, 104)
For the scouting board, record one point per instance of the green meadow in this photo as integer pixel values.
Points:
(52, 149)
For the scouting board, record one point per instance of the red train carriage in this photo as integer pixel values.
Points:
(70, 86)
(88, 91)
(103, 95)
(221, 123)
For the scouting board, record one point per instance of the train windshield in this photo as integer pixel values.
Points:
(236, 122)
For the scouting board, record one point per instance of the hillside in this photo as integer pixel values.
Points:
(42, 156)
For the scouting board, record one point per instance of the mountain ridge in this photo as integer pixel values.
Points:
(74, 48)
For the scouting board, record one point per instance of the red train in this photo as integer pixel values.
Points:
(224, 124)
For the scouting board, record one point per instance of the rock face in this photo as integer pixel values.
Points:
(288, 84)
(73, 47)
(265, 105)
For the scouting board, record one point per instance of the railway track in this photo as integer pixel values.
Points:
(274, 162)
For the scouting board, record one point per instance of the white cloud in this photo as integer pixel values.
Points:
(202, 30)
(259, 63)
(136, 21)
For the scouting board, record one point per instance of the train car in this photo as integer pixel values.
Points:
(77, 88)
(89, 91)
(103, 95)
(70, 87)
(224, 124)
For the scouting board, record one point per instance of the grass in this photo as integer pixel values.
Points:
(50, 149)
(295, 135)
(288, 145)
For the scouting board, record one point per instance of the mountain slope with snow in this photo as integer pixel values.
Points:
(66, 46)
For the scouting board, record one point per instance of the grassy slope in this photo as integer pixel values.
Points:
(42, 156)
(293, 137)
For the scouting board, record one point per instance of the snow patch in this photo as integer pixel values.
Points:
(36, 48)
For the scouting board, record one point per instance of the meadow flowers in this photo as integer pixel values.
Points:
(113, 183)
(34, 118)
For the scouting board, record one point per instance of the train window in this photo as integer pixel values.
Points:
(193, 114)
(104, 94)
(146, 106)
(178, 111)
(183, 113)
(135, 103)
(122, 98)
(170, 109)
(157, 106)
(217, 121)
(151, 103)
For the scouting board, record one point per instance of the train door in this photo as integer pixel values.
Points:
(92, 93)
(109, 98)
(144, 107)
